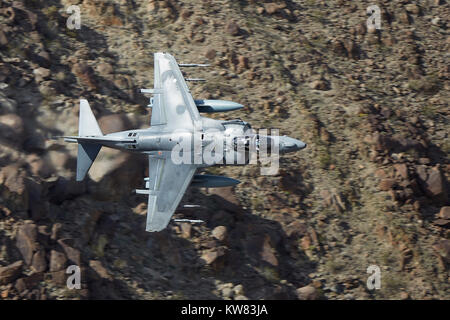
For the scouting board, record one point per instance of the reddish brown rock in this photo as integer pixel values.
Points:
(435, 184)
(296, 229)
(404, 17)
(220, 233)
(432, 182)
(210, 54)
(421, 171)
(58, 261)
(85, 74)
(413, 8)
(185, 14)
(305, 242)
(99, 269)
(104, 69)
(13, 177)
(442, 222)
(380, 173)
(59, 277)
(445, 213)
(268, 252)
(72, 254)
(443, 249)
(186, 230)
(11, 127)
(55, 231)
(39, 262)
(351, 49)
(242, 63)
(232, 28)
(272, 7)
(227, 199)
(307, 293)
(29, 282)
(386, 184)
(338, 47)
(319, 85)
(402, 170)
(26, 241)
(40, 74)
(212, 256)
(10, 272)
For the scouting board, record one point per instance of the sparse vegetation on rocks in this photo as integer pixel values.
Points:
(370, 189)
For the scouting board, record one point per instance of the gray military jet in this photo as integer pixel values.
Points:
(175, 120)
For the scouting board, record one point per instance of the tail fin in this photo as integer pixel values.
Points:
(87, 152)
(87, 125)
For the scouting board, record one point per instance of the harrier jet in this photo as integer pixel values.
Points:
(177, 131)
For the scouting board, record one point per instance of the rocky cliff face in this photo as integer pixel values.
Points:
(370, 189)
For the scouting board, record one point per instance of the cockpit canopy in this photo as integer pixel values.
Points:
(246, 126)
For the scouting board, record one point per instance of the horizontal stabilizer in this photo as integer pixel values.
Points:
(102, 139)
(87, 152)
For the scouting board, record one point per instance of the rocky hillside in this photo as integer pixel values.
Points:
(370, 189)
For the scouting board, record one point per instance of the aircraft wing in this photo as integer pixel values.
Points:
(167, 185)
(173, 105)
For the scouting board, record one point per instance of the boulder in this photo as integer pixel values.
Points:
(10, 272)
(13, 181)
(220, 233)
(85, 74)
(40, 74)
(99, 269)
(443, 249)
(432, 182)
(39, 262)
(58, 261)
(434, 185)
(268, 252)
(445, 213)
(272, 7)
(210, 54)
(402, 170)
(232, 28)
(386, 184)
(307, 293)
(72, 254)
(26, 241)
(104, 69)
(212, 256)
(11, 127)
(28, 283)
(319, 85)
(186, 230)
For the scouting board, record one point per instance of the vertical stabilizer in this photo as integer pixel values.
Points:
(87, 125)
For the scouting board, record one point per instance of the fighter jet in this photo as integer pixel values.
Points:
(175, 120)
